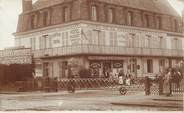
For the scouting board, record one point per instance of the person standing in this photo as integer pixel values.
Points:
(167, 83)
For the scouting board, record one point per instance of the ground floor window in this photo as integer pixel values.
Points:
(150, 66)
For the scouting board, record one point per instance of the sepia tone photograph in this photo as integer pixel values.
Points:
(92, 55)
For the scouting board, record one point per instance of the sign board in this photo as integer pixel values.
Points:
(16, 56)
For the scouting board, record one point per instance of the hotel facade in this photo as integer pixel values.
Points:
(140, 37)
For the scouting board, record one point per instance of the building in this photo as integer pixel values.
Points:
(139, 36)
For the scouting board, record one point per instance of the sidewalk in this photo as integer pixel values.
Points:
(175, 101)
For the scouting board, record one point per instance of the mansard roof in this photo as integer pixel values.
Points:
(159, 6)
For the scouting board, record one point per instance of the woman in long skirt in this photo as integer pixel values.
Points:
(167, 83)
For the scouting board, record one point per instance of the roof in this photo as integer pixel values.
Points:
(159, 6)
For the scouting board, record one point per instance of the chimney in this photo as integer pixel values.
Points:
(26, 5)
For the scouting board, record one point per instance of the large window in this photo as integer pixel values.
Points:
(150, 66)
(110, 15)
(158, 22)
(94, 13)
(130, 18)
(66, 11)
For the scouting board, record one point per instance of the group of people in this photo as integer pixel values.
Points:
(125, 79)
(170, 76)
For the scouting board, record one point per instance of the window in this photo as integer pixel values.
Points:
(161, 42)
(150, 66)
(66, 14)
(45, 18)
(33, 43)
(175, 43)
(146, 22)
(161, 65)
(158, 22)
(132, 40)
(94, 13)
(147, 41)
(33, 21)
(175, 25)
(133, 65)
(96, 37)
(113, 39)
(110, 15)
(130, 18)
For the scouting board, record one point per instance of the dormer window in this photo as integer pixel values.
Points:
(66, 12)
(110, 15)
(130, 18)
(94, 13)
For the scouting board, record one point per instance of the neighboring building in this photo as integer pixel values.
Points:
(16, 55)
(139, 36)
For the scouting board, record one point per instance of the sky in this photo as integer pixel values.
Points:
(10, 9)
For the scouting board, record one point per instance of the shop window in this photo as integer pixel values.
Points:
(66, 11)
(94, 13)
(146, 20)
(110, 15)
(130, 18)
(158, 22)
(150, 66)
(45, 18)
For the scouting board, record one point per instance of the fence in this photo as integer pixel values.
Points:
(178, 89)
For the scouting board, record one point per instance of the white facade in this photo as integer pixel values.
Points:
(142, 51)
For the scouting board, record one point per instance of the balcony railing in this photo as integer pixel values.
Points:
(106, 50)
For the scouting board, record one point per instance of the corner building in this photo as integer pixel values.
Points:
(139, 36)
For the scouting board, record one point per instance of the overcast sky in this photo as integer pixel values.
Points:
(9, 11)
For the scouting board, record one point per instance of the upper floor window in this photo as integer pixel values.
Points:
(110, 15)
(158, 22)
(175, 25)
(94, 13)
(146, 20)
(33, 21)
(66, 11)
(130, 18)
(45, 18)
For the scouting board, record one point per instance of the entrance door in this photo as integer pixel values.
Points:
(107, 68)
(46, 69)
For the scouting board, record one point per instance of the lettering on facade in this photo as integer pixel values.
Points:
(75, 36)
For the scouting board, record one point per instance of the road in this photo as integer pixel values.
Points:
(100, 100)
